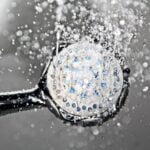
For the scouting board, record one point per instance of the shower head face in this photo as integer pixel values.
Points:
(85, 81)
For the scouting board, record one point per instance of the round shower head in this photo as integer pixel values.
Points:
(85, 82)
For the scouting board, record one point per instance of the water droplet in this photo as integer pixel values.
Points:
(95, 131)
(122, 22)
(32, 125)
(145, 64)
(145, 89)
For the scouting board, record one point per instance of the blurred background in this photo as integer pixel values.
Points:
(27, 38)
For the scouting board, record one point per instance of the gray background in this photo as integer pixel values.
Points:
(39, 129)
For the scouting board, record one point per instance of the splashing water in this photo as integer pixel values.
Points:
(114, 24)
